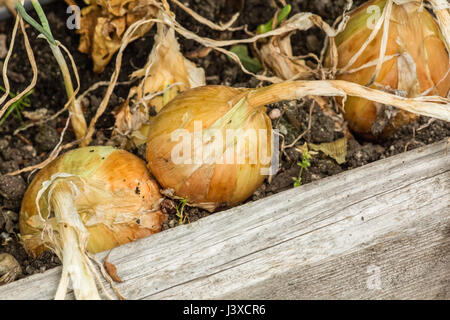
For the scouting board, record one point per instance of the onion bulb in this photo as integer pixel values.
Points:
(403, 52)
(196, 141)
(89, 199)
(206, 177)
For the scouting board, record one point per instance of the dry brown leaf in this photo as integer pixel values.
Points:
(198, 53)
(103, 23)
(336, 149)
(277, 55)
(277, 52)
(116, 7)
(88, 21)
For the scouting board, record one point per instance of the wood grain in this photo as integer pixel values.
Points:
(380, 231)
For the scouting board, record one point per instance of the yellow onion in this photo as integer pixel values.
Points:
(210, 181)
(416, 62)
(203, 116)
(89, 199)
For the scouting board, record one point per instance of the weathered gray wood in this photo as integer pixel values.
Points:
(380, 231)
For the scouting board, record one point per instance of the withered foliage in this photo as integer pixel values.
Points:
(104, 22)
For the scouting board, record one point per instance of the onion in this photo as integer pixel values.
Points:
(414, 55)
(89, 199)
(188, 139)
(210, 181)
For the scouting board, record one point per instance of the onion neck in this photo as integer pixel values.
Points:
(435, 107)
(293, 90)
(72, 244)
(273, 94)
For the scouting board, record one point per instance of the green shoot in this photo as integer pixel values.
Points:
(44, 28)
(180, 211)
(17, 107)
(304, 165)
(78, 120)
(284, 13)
(251, 64)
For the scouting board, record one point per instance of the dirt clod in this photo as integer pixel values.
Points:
(8, 220)
(12, 187)
(47, 138)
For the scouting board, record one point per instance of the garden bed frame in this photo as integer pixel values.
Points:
(381, 231)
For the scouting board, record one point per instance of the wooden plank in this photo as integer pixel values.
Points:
(380, 231)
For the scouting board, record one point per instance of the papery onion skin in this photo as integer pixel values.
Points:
(114, 184)
(419, 36)
(167, 71)
(215, 185)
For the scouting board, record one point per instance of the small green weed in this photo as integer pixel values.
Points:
(282, 15)
(17, 107)
(180, 211)
(304, 165)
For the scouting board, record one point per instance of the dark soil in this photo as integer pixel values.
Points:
(34, 144)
